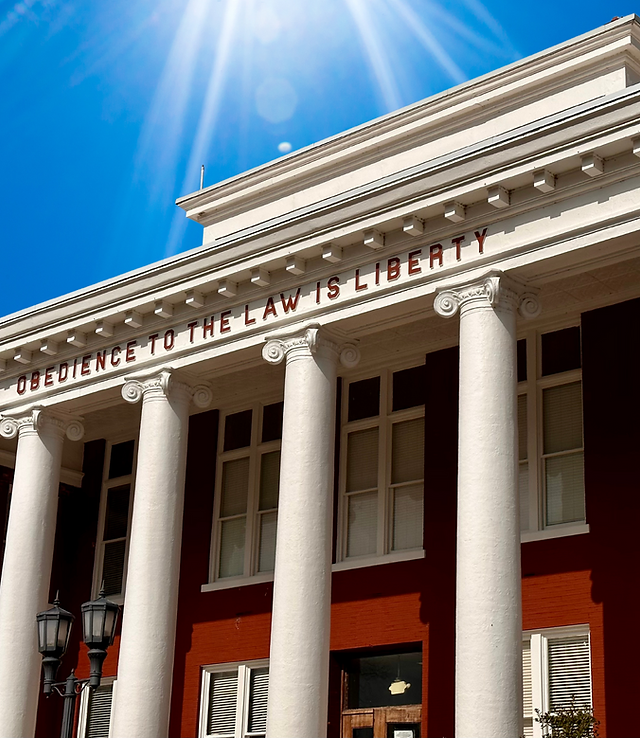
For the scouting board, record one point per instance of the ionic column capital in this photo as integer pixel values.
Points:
(308, 341)
(492, 290)
(165, 383)
(42, 421)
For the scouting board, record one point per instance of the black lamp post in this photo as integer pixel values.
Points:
(99, 620)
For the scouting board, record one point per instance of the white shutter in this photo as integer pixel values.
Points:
(527, 691)
(569, 671)
(223, 695)
(99, 713)
(258, 701)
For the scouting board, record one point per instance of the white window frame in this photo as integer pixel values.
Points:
(244, 669)
(254, 451)
(539, 640)
(107, 484)
(83, 713)
(384, 421)
(533, 388)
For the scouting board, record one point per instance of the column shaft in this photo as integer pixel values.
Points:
(300, 630)
(26, 571)
(142, 698)
(488, 681)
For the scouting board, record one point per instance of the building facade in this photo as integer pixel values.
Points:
(363, 464)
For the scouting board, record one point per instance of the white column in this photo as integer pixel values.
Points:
(142, 698)
(26, 571)
(299, 654)
(488, 686)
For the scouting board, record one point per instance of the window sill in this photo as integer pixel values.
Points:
(232, 582)
(560, 531)
(366, 561)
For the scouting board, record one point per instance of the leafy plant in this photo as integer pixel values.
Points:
(572, 721)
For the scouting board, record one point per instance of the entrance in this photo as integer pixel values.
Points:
(382, 694)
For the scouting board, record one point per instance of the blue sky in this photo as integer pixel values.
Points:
(108, 109)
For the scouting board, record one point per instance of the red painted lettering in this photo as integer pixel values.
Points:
(22, 385)
(458, 244)
(224, 321)
(247, 319)
(435, 252)
(317, 293)
(207, 328)
(101, 359)
(129, 352)
(86, 369)
(393, 269)
(378, 274)
(115, 355)
(63, 371)
(481, 237)
(75, 367)
(359, 286)
(152, 341)
(414, 264)
(269, 309)
(35, 381)
(192, 327)
(333, 290)
(291, 303)
(48, 376)
(169, 339)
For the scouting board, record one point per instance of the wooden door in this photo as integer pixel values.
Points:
(382, 722)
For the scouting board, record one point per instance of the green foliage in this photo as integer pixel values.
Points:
(569, 722)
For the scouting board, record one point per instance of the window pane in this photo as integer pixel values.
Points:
(369, 677)
(113, 567)
(569, 671)
(565, 489)
(232, 534)
(409, 388)
(407, 517)
(121, 461)
(362, 460)
(267, 553)
(522, 359)
(522, 427)
(223, 695)
(258, 700)
(235, 486)
(272, 422)
(560, 351)
(117, 516)
(562, 407)
(364, 399)
(363, 524)
(269, 476)
(407, 453)
(523, 491)
(237, 430)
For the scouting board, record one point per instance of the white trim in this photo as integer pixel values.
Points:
(394, 557)
(242, 696)
(554, 531)
(72, 477)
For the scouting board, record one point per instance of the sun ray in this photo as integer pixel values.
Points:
(377, 59)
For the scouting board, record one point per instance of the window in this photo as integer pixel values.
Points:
(234, 700)
(95, 710)
(246, 499)
(114, 524)
(556, 667)
(550, 432)
(382, 466)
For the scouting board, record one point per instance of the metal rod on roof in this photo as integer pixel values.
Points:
(202, 177)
